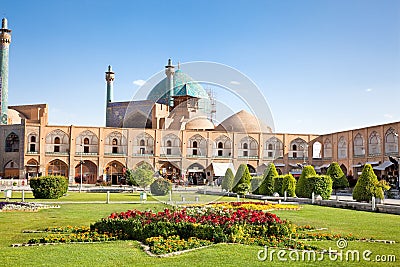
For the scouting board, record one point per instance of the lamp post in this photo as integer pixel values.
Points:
(304, 147)
(81, 163)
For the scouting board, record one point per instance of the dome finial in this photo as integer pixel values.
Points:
(4, 23)
(169, 62)
(179, 65)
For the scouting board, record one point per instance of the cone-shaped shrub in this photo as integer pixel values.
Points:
(227, 181)
(339, 179)
(267, 185)
(255, 184)
(367, 185)
(301, 190)
(242, 176)
(289, 185)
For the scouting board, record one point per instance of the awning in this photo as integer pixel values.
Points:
(220, 168)
(295, 172)
(383, 166)
(293, 165)
(279, 165)
(322, 166)
(372, 162)
(356, 165)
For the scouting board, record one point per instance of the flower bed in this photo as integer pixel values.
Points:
(23, 206)
(160, 245)
(255, 206)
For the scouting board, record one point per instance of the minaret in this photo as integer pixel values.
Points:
(170, 71)
(5, 38)
(110, 82)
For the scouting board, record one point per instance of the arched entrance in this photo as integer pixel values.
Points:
(11, 170)
(252, 170)
(196, 174)
(57, 167)
(32, 168)
(115, 172)
(170, 171)
(89, 172)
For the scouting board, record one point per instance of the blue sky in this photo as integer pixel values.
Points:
(323, 66)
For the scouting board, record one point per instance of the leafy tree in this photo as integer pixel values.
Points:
(289, 185)
(242, 177)
(367, 185)
(143, 176)
(227, 181)
(160, 187)
(301, 190)
(129, 177)
(267, 185)
(339, 179)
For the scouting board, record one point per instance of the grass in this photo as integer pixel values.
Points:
(128, 253)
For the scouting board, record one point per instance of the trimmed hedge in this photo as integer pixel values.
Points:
(278, 185)
(367, 185)
(319, 184)
(289, 185)
(160, 187)
(267, 186)
(227, 181)
(242, 177)
(49, 187)
(301, 190)
(339, 179)
(255, 185)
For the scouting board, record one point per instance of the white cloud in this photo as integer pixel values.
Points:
(139, 82)
(235, 82)
(368, 90)
(389, 116)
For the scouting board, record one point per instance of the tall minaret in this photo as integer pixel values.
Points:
(170, 71)
(110, 91)
(5, 38)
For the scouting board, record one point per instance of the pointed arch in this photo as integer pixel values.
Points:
(87, 142)
(273, 148)
(197, 146)
(33, 143)
(298, 149)
(374, 144)
(171, 145)
(12, 142)
(317, 150)
(143, 144)
(358, 148)
(115, 143)
(89, 172)
(222, 147)
(57, 167)
(248, 147)
(342, 148)
(391, 142)
(57, 141)
(328, 148)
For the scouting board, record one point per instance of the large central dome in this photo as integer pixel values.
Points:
(183, 85)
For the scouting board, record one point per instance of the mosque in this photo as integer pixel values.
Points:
(171, 131)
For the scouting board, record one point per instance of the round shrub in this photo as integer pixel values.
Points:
(301, 187)
(160, 187)
(339, 179)
(49, 187)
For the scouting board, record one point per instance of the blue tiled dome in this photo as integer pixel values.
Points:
(183, 85)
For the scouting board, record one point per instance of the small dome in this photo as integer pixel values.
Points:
(183, 85)
(199, 123)
(14, 117)
(243, 122)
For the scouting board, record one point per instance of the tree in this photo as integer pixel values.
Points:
(267, 185)
(367, 185)
(339, 179)
(301, 190)
(242, 176)
(143, 176)
(129, 177)
(227, 181)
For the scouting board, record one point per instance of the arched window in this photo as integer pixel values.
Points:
(86, 141)
(169, 143)
(391, 142)
(248, 147)
(57, 140)
(195, 144)
(273, 148)
(374, 144)
(220, 145)
(294, 147)
(359, 149)
(33, 139)
(299, 149)
(270, 147)
(115, 142)
(342, 148)
(327, 148)
(12, 143)
(142, 142)
(245, 146)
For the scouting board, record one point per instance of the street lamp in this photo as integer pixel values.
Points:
(81, 163)
(305, 148)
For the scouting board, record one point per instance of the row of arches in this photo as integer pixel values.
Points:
(375, 145)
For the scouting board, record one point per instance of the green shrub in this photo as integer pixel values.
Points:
(320, 185)
(242, 177)
(339, 179)
(367, 185)
(49, 187)
(255, 184)
(160, 187)
(289, 185)
(278, 184)
(267, 185)
(301, 190)
(227, 181)
(243, 189)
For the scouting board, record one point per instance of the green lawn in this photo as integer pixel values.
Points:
(128, 253)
